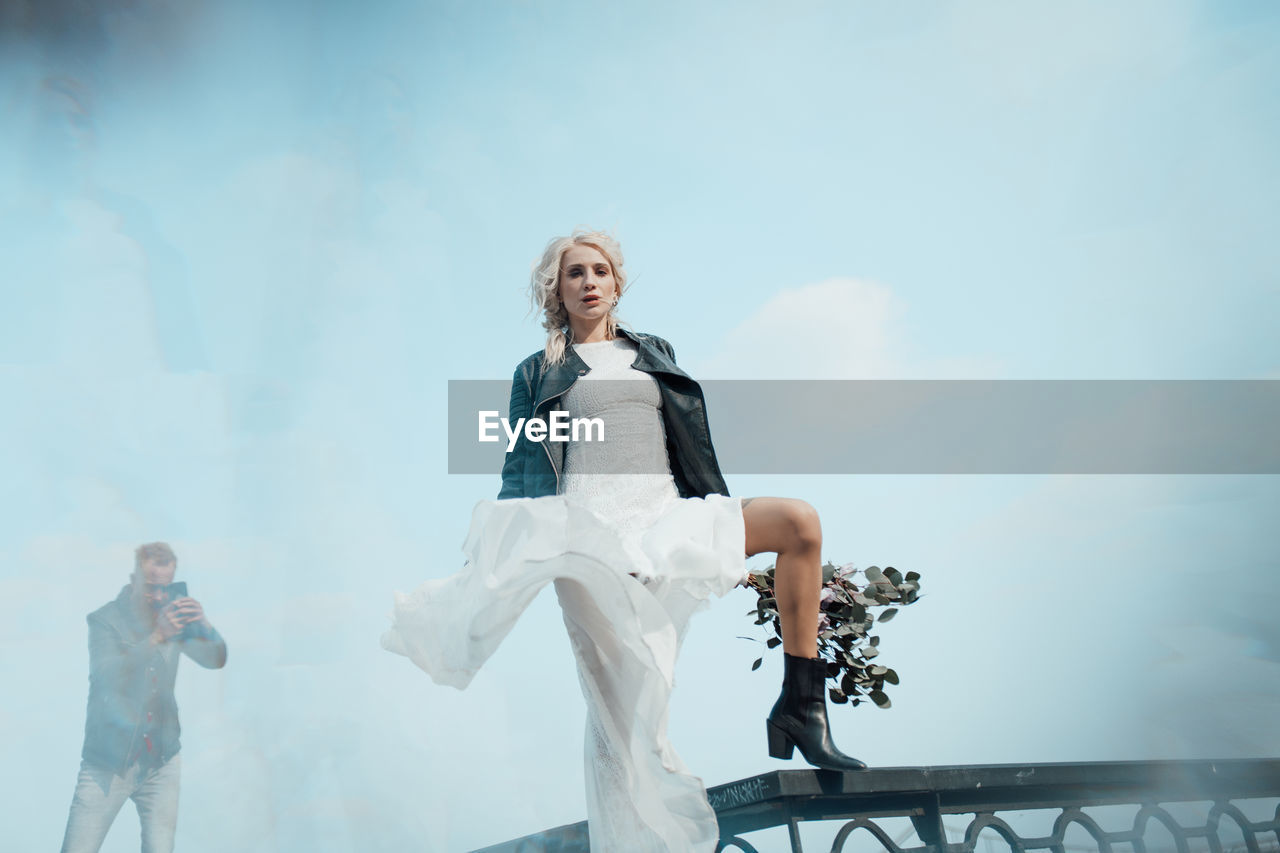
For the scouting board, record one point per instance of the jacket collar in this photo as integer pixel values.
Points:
(558, 378)
(649, 356)
(126, 614)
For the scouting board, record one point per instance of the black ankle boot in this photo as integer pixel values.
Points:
(799, 717)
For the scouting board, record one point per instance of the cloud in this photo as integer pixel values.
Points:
(839, 328)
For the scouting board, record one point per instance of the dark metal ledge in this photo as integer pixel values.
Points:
(925, 794)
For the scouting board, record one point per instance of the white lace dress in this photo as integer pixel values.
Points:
(631, 562)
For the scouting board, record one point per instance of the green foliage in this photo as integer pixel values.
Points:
(849, 611)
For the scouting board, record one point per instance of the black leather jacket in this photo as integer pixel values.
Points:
(532, 468)
(132, 715)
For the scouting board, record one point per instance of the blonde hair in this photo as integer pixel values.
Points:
(544, 286)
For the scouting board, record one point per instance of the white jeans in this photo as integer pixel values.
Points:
(100, 794)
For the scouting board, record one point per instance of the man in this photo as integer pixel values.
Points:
(131, 730)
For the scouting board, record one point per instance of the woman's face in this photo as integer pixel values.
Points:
(587, 285)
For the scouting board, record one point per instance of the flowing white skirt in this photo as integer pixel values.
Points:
(625, 631)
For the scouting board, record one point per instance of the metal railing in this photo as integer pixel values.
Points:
(1210, 792)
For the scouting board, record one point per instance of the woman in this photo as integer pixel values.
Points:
(636, 532)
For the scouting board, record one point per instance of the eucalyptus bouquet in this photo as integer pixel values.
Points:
(849, 610)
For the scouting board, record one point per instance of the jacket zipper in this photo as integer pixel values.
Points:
(554, 470)
(545, 446)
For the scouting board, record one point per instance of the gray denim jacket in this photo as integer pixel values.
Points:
(132, 714)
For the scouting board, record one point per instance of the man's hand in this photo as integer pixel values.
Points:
(169, 624)
(189, 611)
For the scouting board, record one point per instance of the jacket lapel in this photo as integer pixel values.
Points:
(125, 618)
(557, 378)
(650, 359)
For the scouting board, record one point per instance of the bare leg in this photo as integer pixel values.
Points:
(791, 529)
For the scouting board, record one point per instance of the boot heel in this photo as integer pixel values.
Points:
(780, 744)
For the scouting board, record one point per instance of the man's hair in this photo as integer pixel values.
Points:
(156, 552)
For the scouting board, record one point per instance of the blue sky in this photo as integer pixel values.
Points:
(244, 249)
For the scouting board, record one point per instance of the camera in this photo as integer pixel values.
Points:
(194, 630)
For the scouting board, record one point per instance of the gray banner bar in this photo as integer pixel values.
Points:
(950, 426)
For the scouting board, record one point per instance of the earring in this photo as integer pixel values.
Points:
(615, 300)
